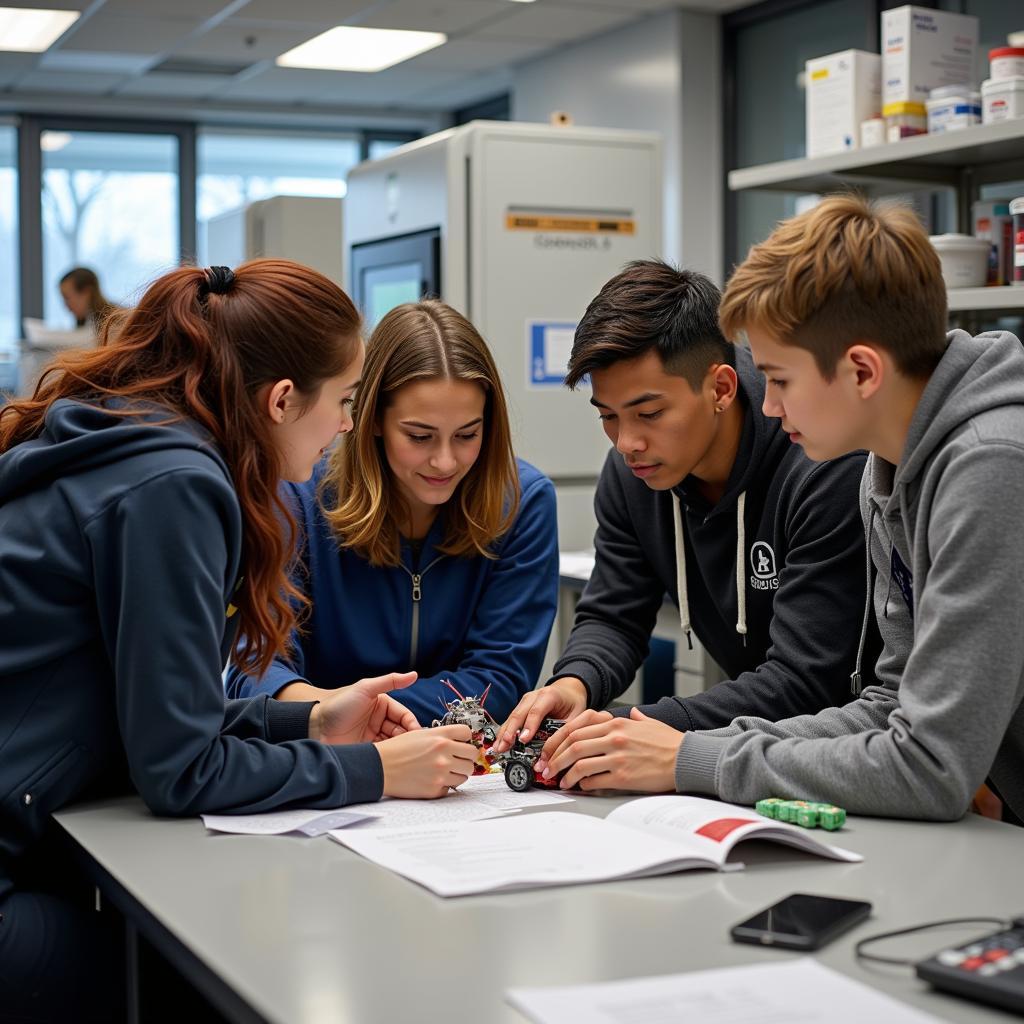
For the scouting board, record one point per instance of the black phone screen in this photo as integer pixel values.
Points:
(801, 921)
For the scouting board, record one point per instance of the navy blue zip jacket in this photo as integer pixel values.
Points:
(472, 620)
(772, 577)
(120, 546)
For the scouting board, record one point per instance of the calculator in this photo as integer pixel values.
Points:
(989, 970)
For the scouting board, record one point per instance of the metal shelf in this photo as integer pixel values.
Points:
(1008, 297)
(920, 160)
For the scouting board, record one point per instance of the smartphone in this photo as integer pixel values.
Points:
(801, 921)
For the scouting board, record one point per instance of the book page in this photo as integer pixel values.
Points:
(791, 992)
(710, 828)
(534, 850)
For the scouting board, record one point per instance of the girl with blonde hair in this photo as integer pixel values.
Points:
(426, 544)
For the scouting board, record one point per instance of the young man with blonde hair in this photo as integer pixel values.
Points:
(844, 310)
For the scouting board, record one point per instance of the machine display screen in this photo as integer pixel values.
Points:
(387, 287)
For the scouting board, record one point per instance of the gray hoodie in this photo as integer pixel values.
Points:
(946, 546)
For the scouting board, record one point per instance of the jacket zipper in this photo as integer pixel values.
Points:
(417, 596)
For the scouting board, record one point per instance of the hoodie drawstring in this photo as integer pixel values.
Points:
(681, 589)
(855, 684)
(741, 588)
(684, 599)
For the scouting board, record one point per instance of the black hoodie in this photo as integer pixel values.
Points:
(120, 545)
(783, 628)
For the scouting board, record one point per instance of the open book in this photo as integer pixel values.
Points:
(649, 836)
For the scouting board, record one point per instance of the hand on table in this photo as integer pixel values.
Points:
(637, 754)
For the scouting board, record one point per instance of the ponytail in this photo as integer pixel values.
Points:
(202, 344)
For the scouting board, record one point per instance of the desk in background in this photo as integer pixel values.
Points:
(672, 666)
(302, 931)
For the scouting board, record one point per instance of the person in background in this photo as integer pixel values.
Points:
(425, 543)
(81, 292)
(705, 499)
(844, 309)
(140, 526)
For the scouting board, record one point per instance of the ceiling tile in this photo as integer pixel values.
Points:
(476, 54)
(86, 60)
(395, 86)
(117, 33)
(166, 8)
(450, 16)
(241, 39)
(555, 24)
(67, 81)
(281, 85)
(323, 12)
(14, 65)
(158, 83)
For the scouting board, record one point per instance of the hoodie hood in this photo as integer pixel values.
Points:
(79, 437)
(976, 375)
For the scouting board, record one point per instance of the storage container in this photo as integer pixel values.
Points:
(1017, 213)
(964, 259)
(1006, 62)
(991, 220)
(951, 107)
(872, 132)
(1002, 99)
(904, 119)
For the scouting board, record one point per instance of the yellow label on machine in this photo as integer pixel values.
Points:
(563, 222)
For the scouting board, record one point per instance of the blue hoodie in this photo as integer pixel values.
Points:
(475, 621)
(120, 548)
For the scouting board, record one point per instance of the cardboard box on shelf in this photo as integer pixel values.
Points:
(843, 90)
(923, 49)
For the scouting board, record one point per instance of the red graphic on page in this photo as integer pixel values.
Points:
(718, 830)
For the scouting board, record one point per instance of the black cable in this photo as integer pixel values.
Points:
(858, 950)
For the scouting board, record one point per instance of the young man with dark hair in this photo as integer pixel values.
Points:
(705, 499)
(844, 308)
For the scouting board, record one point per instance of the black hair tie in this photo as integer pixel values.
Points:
(217, 281)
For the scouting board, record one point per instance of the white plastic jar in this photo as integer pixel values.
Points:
(1002, 99)
(964, 259)
(1006, 62)
(951, 107)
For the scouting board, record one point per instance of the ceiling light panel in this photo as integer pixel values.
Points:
(26, 30)
(360, 49)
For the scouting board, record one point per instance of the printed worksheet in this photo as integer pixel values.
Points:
(795, 992)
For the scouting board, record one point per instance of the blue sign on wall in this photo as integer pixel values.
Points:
(549, 346)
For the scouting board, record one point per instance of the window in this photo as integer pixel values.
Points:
(110, 203)
(9, 327)
(768, 64)
(237, 167)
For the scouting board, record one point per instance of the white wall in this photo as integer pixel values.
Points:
(660, 74)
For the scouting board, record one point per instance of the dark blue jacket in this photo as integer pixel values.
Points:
(473, 620)
(120, 546)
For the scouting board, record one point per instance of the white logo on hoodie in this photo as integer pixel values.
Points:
(762, 565)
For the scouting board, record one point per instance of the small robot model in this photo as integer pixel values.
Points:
(518, 762)
(471, 711)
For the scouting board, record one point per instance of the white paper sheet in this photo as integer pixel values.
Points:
(276, 823)
(577, 564)
(479, 797)
(534, 850)
(795, 992)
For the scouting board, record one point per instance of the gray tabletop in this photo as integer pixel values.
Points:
(303, 930)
